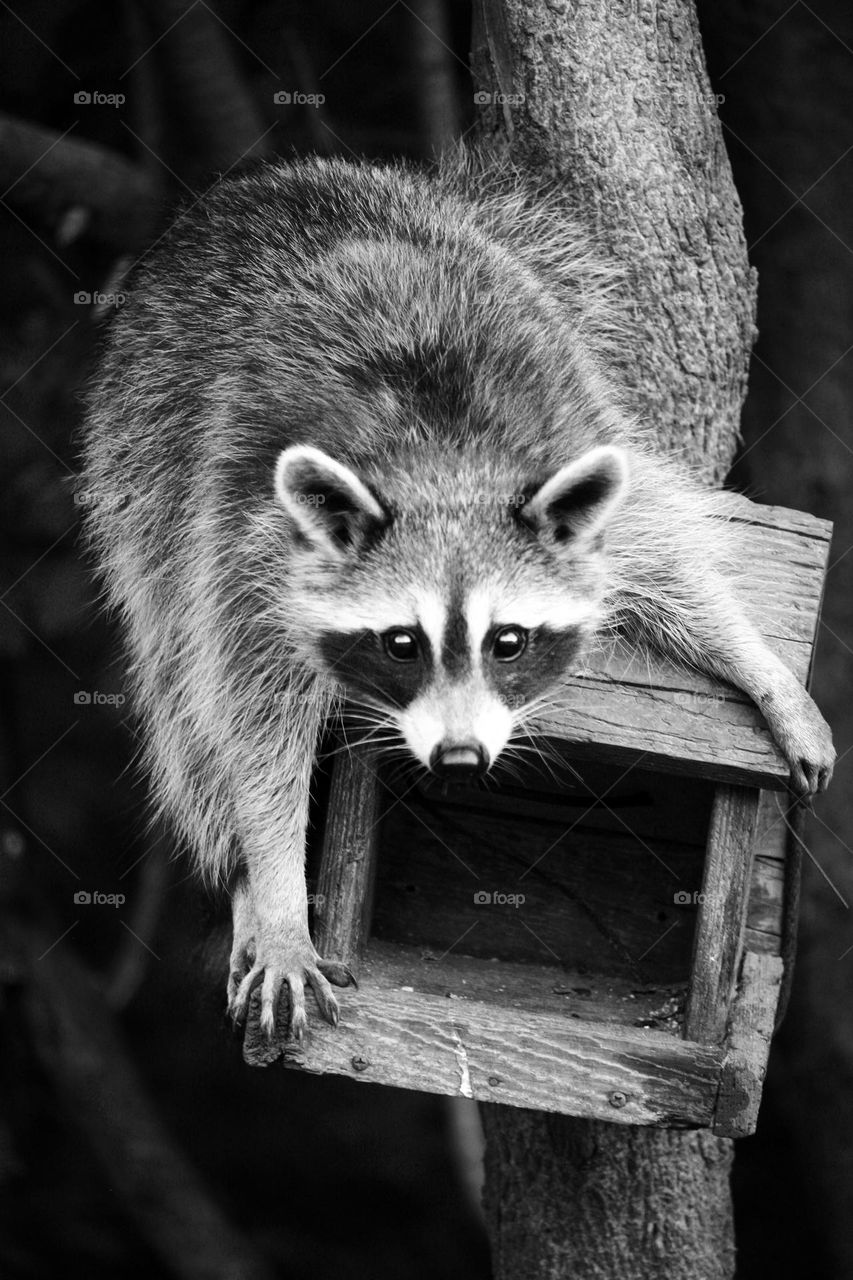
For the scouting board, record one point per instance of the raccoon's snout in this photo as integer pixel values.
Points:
(459, 759)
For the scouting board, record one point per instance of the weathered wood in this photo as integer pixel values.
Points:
(593, 885)
(764, 923)
(722, 912)
(766, 898)
(676, 731)
(344, 897)
(557, 789)
(621, 704)
(533, 988)
(766, 515)
(748, 1045)
(389, 1034)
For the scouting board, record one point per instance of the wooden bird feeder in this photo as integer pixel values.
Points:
(601, 937)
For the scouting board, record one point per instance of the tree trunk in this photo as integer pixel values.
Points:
(615, 106)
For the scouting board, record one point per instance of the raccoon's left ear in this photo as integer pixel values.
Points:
(579, 499)
(331, 507)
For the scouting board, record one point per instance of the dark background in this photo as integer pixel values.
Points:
(323, 1177)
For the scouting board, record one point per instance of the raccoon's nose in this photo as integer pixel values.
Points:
(459, 759)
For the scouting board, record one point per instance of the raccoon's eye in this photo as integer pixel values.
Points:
(400, 645)
(509, 643)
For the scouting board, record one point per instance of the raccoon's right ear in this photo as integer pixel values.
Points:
(579, 499)
(332, 509)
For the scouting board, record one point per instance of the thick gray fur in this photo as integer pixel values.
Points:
(444, 337)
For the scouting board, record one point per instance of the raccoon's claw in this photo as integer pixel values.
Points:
(804, 738)
(337, 972)
(239, 991)
(811, 757)
(809, 779)
(292, 973)
(278, 954)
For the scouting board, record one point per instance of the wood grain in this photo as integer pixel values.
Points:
(748, 1046)
(518, 1057)
(343, 907)
(685, 723)
(605, 886)
(722, 914)
(764, 924)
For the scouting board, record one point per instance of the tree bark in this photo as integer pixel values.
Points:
(616, 107)
(584, 1198)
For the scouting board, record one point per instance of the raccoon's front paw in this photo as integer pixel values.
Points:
(806, 742)
(258, 956)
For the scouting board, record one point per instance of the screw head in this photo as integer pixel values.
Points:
(617, 1098)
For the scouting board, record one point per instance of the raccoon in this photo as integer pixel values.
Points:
(356, 439)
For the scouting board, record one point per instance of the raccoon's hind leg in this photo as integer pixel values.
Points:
(272, 945)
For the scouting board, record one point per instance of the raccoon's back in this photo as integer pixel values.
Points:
(369, 311)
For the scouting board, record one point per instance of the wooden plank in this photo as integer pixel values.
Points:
(767, 886)
(665, 730)
(538, 883)
(559, 790)
(478, 1049)
(621, 704)
(348, 858)
(722, 913)
(765, 515)
(529, 987)
(748, 1046)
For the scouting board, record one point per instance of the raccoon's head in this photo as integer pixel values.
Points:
(447, 620)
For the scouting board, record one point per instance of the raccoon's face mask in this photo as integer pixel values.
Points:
(452, 665)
